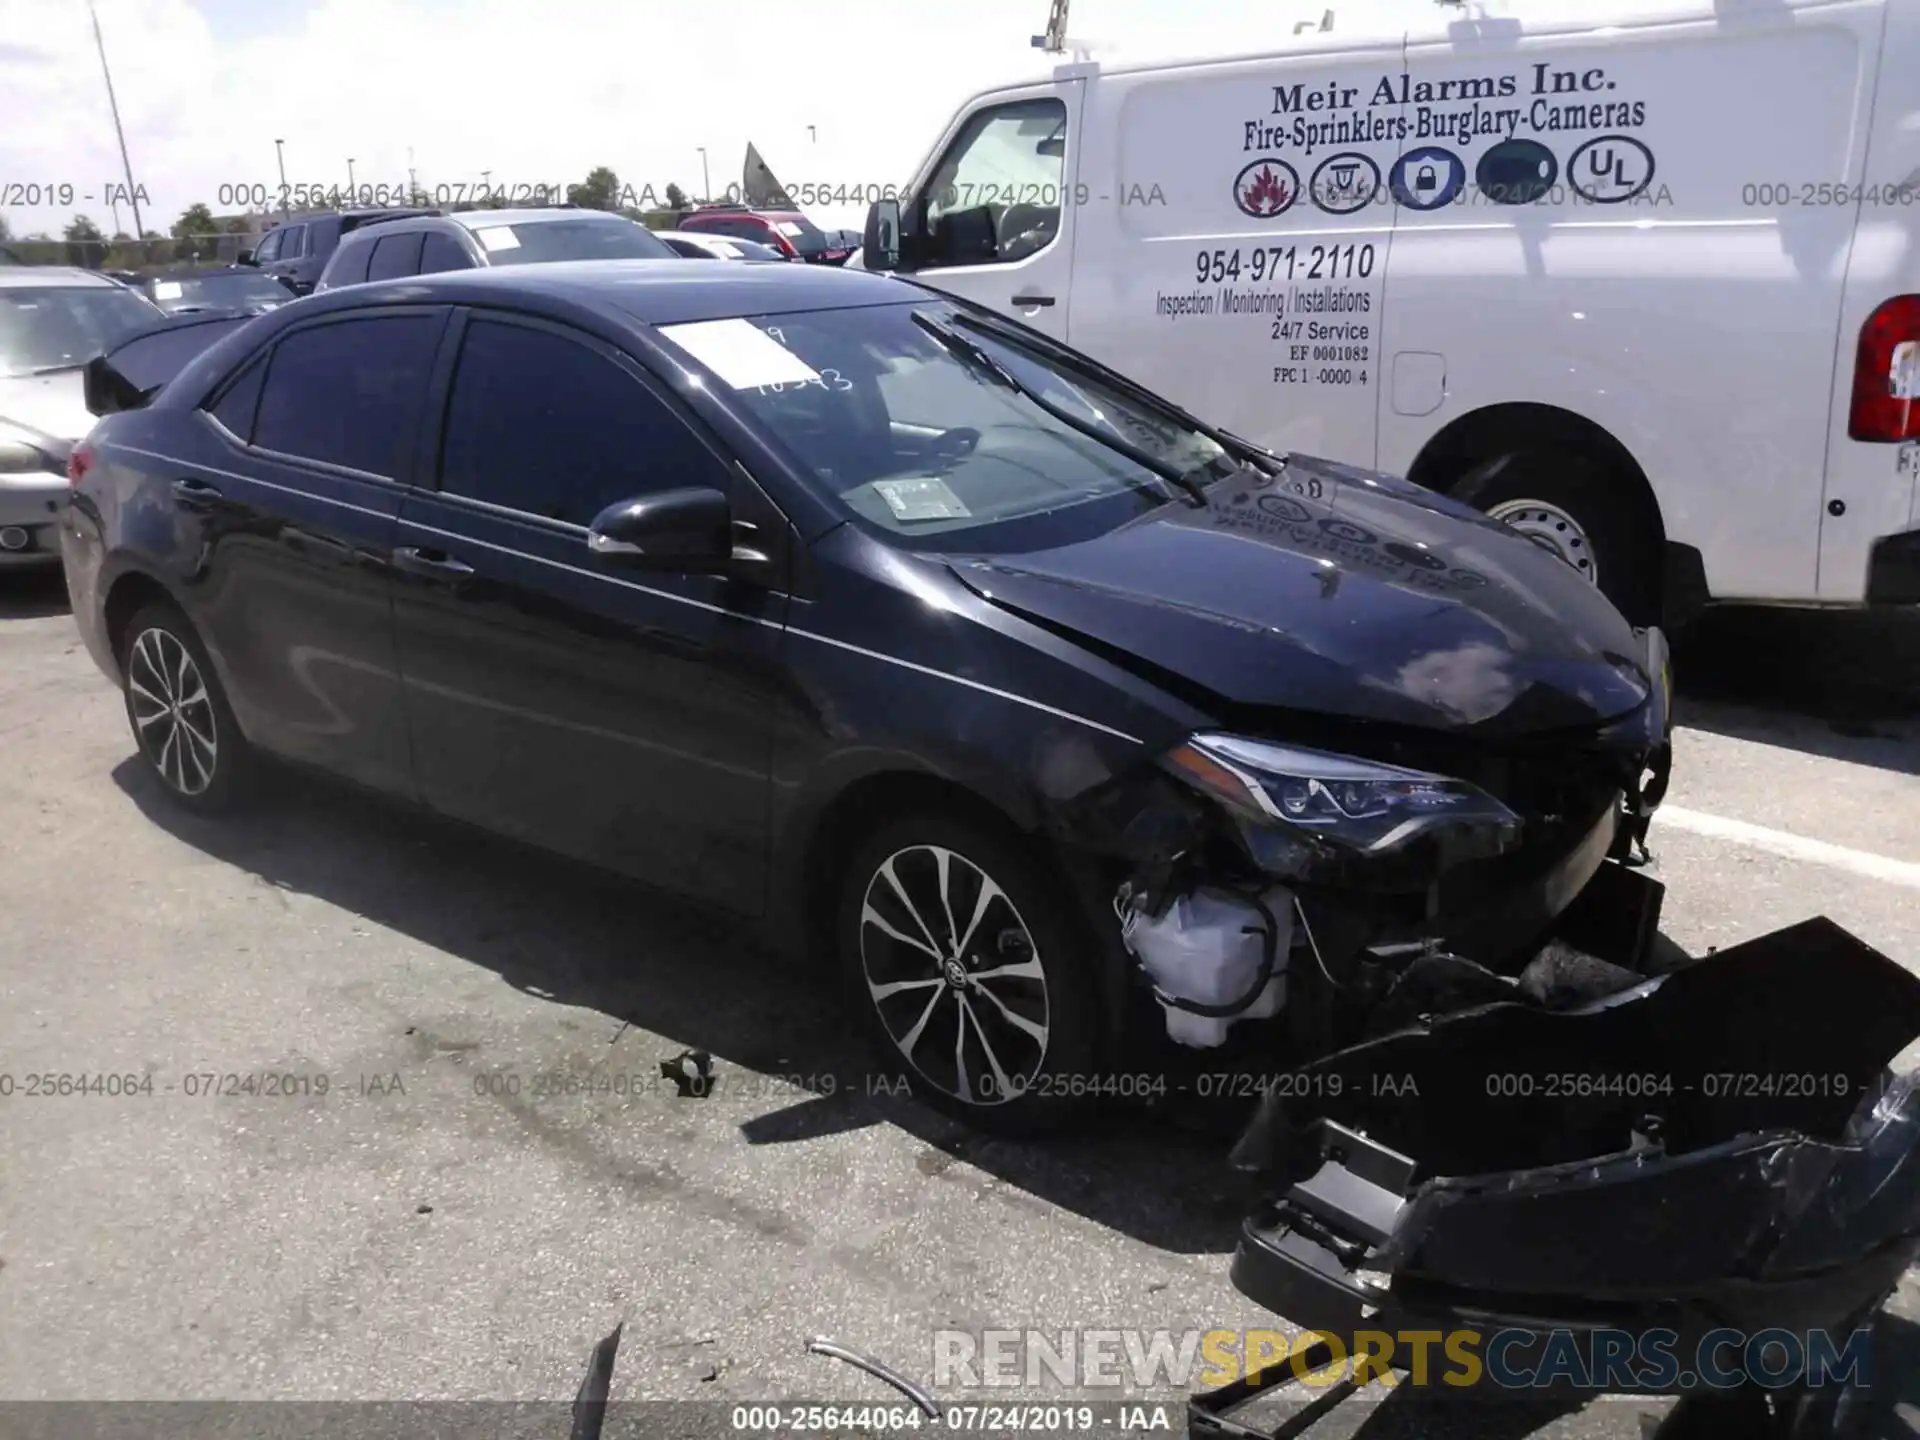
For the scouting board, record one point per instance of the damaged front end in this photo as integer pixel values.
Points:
(1494, 1098)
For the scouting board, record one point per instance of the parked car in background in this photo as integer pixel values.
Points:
(476, 239)
(298, 251)
(828, 600)
(718, 247)
(787, 231)
(241, 289)
(53, 320)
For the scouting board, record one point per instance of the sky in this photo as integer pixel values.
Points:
(840, 92)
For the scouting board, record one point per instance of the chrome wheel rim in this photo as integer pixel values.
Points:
(955, 975)
(1553, 529)
(172, 711)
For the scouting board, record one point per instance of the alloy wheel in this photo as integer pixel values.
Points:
(953, 970)
(172, 711)
(1551, 528)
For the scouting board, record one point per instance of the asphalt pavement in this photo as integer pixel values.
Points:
(473, 1203)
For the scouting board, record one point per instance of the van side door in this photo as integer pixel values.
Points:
(992, 218)
(1233, 252)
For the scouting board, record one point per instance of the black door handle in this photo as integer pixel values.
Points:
(195, 495)
(1041, 300)
(434, 564)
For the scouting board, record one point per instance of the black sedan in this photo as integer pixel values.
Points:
(1037, 705)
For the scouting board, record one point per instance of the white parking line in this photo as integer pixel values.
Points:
(1793, 847)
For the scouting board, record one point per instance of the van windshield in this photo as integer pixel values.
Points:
(905, 423)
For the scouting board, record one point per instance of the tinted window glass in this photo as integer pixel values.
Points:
(268, 248)
(293, 242)
(349, 264)
(442, 252)
(543, 424)
(235, 409)
(394, 256)
(349, 393)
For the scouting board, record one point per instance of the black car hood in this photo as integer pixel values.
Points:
(1341, 592)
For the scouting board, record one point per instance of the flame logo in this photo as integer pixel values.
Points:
(1266, 188)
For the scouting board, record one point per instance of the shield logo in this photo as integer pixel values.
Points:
(1266, 188)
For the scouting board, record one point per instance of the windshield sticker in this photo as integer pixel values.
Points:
(497, 237)
(787, 228)
(741, 353)
(167, 290)
(921, 498)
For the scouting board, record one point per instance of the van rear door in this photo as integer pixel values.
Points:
(1873, 446)
(993, 219)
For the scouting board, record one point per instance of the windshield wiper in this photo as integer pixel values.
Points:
(969, 353)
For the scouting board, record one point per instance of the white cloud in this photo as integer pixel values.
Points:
(533, 93)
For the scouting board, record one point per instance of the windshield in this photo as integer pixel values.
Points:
(58, 326)
(533, 242)
(920, 442)
(177, 292)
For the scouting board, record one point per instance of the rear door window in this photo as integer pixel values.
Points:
(394, 256)
(350, 392)
(237, 404)
(442, 252)
(549, 425)
(349, 264)
(293, 242)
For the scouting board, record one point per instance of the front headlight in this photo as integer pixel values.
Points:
(1303, 811)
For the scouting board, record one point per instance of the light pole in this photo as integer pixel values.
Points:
(286, 202)
(486, 186)
(706, 180)
(413, 180)
(813, 138)
(114, 105)
(350, 180)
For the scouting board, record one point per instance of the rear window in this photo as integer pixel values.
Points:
(605, 237)
(55, 327)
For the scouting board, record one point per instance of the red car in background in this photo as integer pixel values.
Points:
(787, 231)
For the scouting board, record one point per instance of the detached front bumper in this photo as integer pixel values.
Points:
(1717, 1152)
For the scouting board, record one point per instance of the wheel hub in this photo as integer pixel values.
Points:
(976, 1031)
(172, 711)
(1553, 530)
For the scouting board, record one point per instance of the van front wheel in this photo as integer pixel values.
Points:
(1571, 507)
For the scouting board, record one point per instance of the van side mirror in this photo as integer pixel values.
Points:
(245, 257)
(688, 530)
(880, 250)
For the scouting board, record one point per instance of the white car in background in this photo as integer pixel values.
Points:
(53, 320)
(718, 247)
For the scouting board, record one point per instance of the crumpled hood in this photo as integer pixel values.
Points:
(1342, 592)
(52, 406)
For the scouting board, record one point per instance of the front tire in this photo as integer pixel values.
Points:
(1573, 508)
(179, 713)
(961, 954)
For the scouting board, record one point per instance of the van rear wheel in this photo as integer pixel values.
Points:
(1572, 508)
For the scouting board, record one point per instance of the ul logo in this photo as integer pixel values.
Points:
(1610, 170)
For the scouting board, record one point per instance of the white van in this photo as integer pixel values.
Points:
(1640, 279)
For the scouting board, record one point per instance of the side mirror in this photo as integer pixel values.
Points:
(880, 250)
(289, 282)
(689, 530)
(245, 257)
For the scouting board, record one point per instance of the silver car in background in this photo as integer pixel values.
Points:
(53, 320)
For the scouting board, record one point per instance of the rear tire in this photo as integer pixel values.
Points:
(969, 970)
(1578, 511)
(179, 713)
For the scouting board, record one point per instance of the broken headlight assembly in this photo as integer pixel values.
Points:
(1316, 817)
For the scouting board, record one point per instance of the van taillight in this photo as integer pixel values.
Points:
(79, 461)
(1886, 373)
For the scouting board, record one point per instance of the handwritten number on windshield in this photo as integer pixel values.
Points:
(825, 380)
